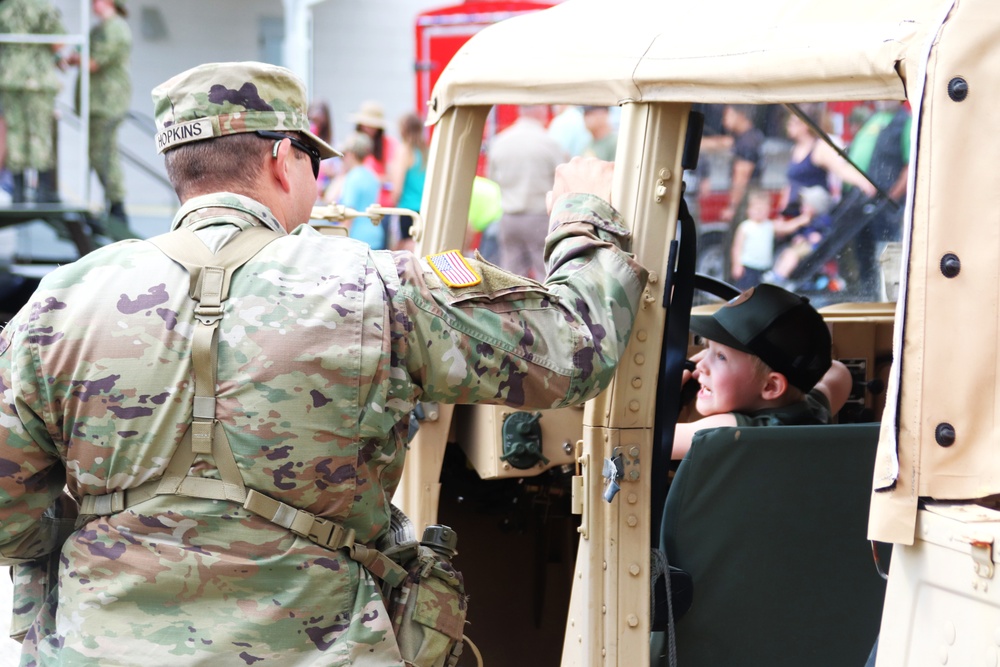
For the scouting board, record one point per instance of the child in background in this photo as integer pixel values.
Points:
(360, 189)
(753, 243)
(767, 363)
(809, 228)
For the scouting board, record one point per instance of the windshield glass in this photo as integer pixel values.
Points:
(776, 202)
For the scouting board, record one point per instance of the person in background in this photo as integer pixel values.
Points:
(28, 87)
(605, 143)
(738, 120)
(321, 125)
(882, 149)
(110, 96)
(406, 175)
(522, 161)
(360, 190)
(811, 163)
(753, 242)
(569, 129)
(370, 119)
(808, 228)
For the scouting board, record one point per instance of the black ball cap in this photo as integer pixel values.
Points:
(780, 327)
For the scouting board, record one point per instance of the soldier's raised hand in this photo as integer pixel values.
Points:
(582, 174)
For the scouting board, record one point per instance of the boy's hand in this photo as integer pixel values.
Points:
(689, 378)
(581, 175)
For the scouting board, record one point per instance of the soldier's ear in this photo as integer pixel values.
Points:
(280, 164)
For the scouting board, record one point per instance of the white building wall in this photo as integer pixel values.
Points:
(366, 51)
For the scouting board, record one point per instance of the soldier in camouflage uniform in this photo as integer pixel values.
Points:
(110, 97)
(28, 87)
(324, 348)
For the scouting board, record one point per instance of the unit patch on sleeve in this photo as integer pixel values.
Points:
(454, 269)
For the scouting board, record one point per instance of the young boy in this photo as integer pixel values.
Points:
(753, 242)
(767, 363)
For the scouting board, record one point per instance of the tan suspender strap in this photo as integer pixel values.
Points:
(210, 275)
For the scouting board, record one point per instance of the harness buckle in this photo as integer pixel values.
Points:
(208, 315)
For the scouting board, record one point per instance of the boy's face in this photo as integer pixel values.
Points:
(730, 381)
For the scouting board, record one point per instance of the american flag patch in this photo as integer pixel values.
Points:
(453, 269)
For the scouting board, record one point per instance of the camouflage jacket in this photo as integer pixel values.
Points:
(29, 66)
(110, 84)
(324, 349)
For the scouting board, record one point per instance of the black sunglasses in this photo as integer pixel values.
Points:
(313, 153)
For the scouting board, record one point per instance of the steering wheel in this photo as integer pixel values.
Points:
(715, 286)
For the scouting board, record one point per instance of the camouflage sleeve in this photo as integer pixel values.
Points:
(514, 341)
(31, 475)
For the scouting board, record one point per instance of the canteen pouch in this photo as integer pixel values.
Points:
(428, 611)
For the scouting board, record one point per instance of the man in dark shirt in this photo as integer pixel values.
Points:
(737, 119)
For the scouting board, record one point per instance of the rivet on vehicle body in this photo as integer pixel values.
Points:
(633, 499)
(639, 359)
(958, 89)
(641, 335)
(633, 451)
(637, 383)
(632, 520)
(951, 265)
(633, 620)
(634, 569)
(633, 406)
(944, 434)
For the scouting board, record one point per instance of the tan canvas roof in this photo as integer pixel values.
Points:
(765, 51)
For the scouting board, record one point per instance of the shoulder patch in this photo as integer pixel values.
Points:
(454, 269)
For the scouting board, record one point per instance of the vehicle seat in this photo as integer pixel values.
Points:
(771, 523)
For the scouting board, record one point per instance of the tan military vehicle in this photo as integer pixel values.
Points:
(557, 511)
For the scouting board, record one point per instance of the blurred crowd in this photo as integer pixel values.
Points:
(781, 184)
(775, 184)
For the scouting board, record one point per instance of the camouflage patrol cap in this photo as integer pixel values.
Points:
(217, 99)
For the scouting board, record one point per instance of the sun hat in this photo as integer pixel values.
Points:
(370, 114)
